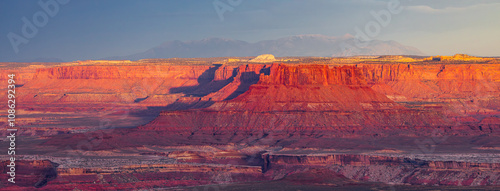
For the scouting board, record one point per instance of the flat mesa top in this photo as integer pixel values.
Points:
(236, 61)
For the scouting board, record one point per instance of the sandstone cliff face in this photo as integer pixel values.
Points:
(308, 88)
(456, 79)
(241, 78)
(362, 95)
(31, 174)
(468, 88)
(22, 75)
(103, 84)
(287, 75)
(390, 169)
(43, 175)
(282, 105)
(136, 177)
(302, 97)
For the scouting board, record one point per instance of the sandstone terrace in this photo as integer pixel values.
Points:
(458, 97)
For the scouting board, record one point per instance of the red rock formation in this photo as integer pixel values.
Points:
(467, 88)
(395, 169)
(322, 101)
(96, 84)
(136, 177)
(302, 97)
(288, 75)
(246, 75)
(32, 174)
(289, 105)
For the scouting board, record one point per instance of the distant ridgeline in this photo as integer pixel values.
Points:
(457, 57)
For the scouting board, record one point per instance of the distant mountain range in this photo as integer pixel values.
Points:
(301, 45)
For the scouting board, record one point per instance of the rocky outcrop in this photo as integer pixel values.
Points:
(333, 100)
(264, 58)
(463, 88)
(316, 97)
(136, 177)
(457, 57)
(466, 87)
(104, 84)
(319, 104)
(397, 170)
(241, 78)
(31, 174)
(291, 75)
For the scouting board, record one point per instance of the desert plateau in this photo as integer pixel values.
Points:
(257, 123)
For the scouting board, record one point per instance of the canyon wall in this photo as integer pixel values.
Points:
(29, 173)
(342, 98)
(469, 87)
(398, 170)
(357, 97)
(280, 105)
(45, 175)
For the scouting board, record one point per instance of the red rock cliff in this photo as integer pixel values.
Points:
(396, 169)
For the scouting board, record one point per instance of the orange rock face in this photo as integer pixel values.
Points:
(101, 84)
(315, 97)
(332, 95)
(471, 87)
(287, 75)
(325, 104)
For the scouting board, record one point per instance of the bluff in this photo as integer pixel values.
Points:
(302, 97)
(399, 170)
(31, 174)
(347, 96)
(101, 84)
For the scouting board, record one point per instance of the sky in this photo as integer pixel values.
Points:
(93, 29)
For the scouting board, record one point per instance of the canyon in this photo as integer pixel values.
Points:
(385, 122)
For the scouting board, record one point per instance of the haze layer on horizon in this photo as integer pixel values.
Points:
(94, 29)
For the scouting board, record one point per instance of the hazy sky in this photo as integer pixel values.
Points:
(93, 29)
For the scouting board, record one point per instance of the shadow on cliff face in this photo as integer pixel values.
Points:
(198, 104)
(31, 173)
(194, 94)
(206, 84)
(247, 79)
